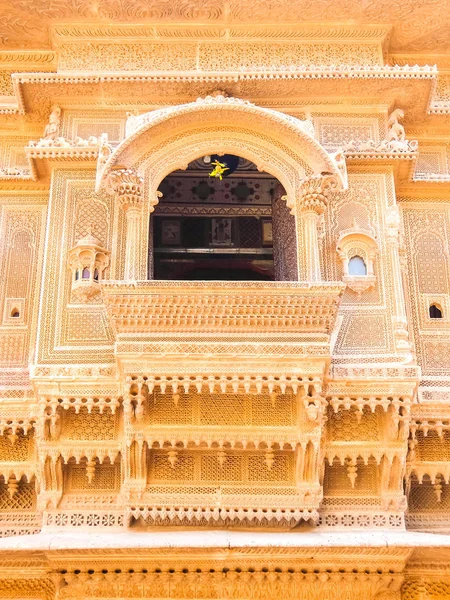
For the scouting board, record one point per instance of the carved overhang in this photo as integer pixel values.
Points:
(144, 307)
(401, 161)
(409, 86)
(42, 156)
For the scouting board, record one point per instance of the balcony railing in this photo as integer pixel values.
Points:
(149, 307)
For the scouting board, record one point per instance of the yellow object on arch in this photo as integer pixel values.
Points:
(219, 169)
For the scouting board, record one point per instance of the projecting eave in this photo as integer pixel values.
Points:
(410, 87)
(425, 190)
(401, 163)
(305, 543)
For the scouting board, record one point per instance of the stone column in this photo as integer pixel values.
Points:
(311, 202)
(399, 318)
(127, 185)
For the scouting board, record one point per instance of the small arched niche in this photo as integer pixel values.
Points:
(435, 311)
(357, 266)
(357, 249)
(235, 226)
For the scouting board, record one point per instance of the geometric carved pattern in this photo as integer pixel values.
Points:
(344, 426)
(222, 409)
(106, 479)
(90, 426)
(17, 451)
(337, 482)
(23, 499)
(205, 469)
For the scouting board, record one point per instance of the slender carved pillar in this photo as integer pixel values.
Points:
(400, 321)
(311, 202)
(127, 185)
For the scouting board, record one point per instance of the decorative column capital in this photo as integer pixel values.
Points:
(313, 193)
(127, 185)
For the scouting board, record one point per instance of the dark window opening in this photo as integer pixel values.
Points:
(15, 313)
(435, 312)
(77, 275)
(206, 228)
(96, 275)
(86, 273)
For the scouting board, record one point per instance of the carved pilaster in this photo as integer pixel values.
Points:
(127, 186)
(400, 322)
(284, 238)
(312, 200)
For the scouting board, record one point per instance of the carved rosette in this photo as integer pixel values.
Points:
(127, 185)
(314, 193)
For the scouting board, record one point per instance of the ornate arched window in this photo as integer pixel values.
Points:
(357, 249)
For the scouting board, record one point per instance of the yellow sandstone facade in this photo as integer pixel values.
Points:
(235, 386)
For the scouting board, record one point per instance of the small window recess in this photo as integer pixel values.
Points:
(357, 266)
(435, 311)
(15, 313)
(357, 249)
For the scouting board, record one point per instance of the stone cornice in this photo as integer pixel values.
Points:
(304, 32)
(133, 306)
(412, 87)
(83, 546)
(297, 72)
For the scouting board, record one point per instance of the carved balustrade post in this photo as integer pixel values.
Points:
(311, 202)
(127, 185)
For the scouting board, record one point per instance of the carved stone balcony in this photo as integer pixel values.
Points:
(222, 336)
(227, 307)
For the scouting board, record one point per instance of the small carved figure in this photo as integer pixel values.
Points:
(52, 128)
(396, 131)
(61, 142)
(132, 117)
(104, 150)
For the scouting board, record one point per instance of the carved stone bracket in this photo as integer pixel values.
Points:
(127, 185)
(314, 192)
